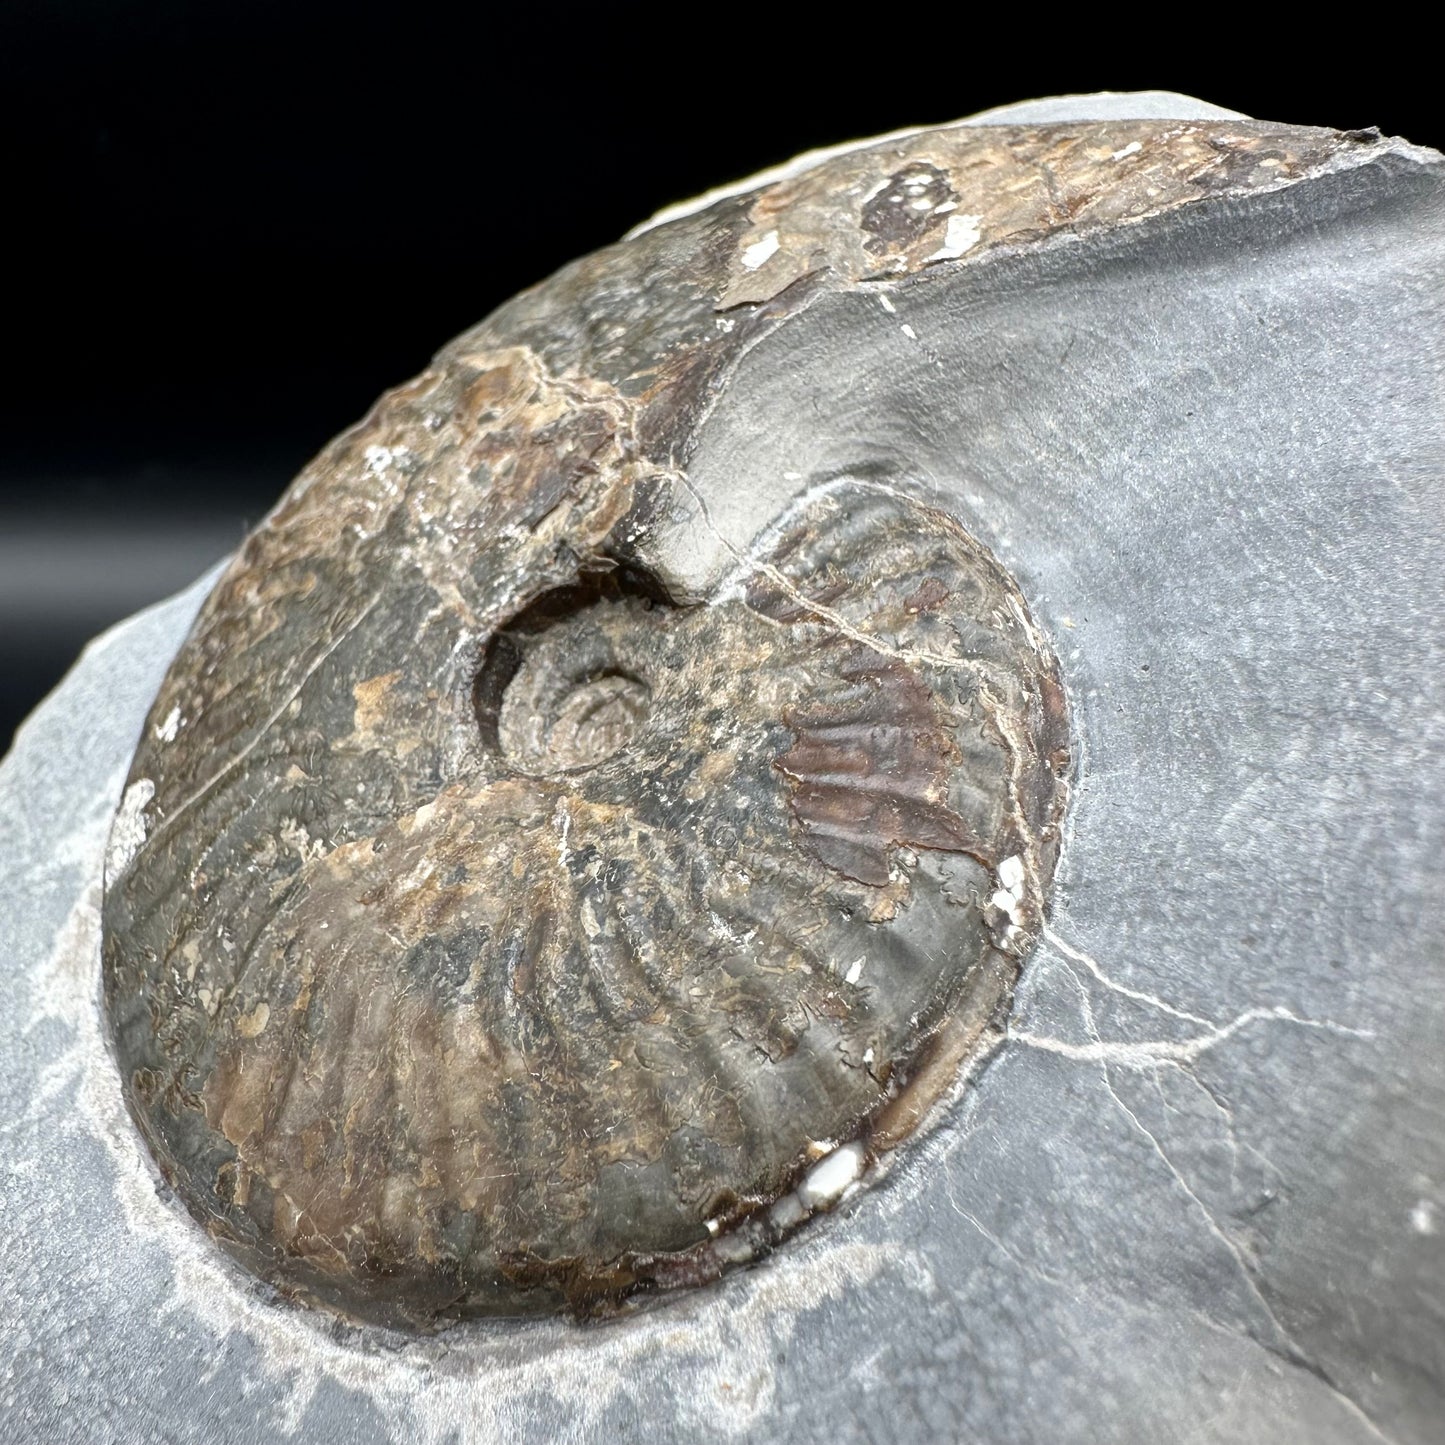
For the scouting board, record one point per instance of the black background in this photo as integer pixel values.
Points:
(236, 224)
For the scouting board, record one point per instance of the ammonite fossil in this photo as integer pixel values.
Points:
(568, 851)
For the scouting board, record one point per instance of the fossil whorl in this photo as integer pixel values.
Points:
(526, 876)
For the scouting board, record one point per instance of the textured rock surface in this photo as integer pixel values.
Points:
(1197, 1193)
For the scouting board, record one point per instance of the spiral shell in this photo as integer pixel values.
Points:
(531, 890)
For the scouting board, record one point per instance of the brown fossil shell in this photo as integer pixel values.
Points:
(645, 951)
(527, 894)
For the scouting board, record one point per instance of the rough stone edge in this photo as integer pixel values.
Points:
(1099, 105)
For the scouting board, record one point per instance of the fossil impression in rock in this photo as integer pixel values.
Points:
(596, 815)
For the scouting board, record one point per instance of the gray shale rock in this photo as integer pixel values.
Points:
(1182, 377)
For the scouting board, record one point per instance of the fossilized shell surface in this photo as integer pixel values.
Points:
(537, 1021)
(541, 854)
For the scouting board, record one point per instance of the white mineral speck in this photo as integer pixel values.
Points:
(380, 459)
(827, 1180)
(1011, 873)
(960, 235)
(128, 831)
(1008, 897)
(787, 1212)
(759, 252)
